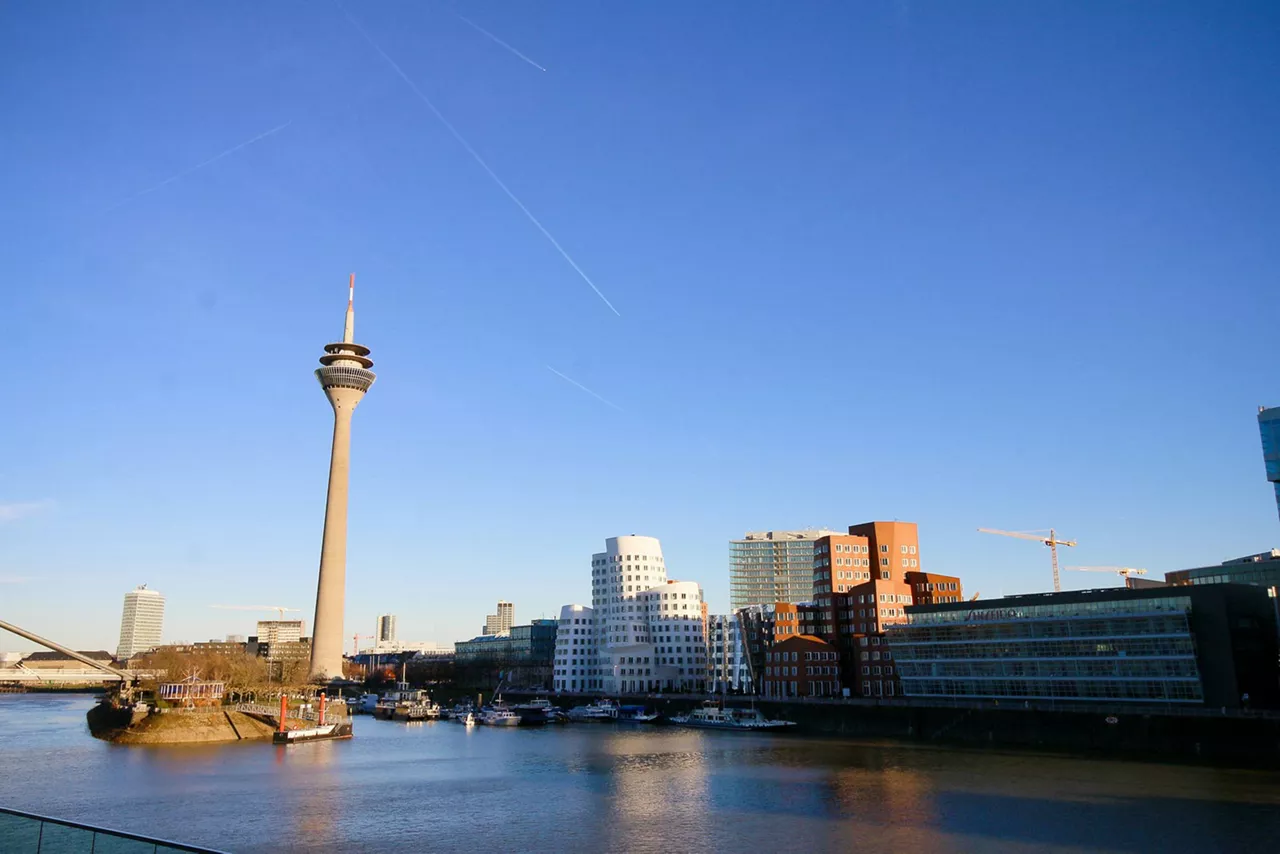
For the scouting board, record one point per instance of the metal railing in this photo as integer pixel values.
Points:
(29, 833)
(333, 714)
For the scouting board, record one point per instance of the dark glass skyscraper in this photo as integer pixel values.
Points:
(1269, 424)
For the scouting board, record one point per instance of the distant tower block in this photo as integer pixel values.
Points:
(345, 377)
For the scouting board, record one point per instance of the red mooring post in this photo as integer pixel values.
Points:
(322, 699)
(284, 710)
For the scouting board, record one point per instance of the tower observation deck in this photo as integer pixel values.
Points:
(345, 377)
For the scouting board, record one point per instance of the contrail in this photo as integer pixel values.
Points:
(476, 155)
(584, 388)
(498, 40)
(198, 166)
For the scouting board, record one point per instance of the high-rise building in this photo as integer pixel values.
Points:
(501, 622)
(862, 583)
(345, 377)
(647, 633)
(771, 566)
(1269, 424)
(386, 629)
(141, 622)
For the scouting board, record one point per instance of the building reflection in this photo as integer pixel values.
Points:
(655, 786)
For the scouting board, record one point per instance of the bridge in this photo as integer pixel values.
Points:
(99, 672)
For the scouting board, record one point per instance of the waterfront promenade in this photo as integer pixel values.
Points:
(591, 787)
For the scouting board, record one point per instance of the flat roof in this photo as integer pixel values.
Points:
(1072, 597)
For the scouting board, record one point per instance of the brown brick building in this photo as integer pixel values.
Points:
(801, 666)
(862, 582)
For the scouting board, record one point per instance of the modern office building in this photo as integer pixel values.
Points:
(727, 664)
(345, 377)
(501, 622)
(771, 566)
(1269, 425)
(648, 632)
(386, 632)
(279, 631)
(1212, 645)
(1260, 570)
(140, 623)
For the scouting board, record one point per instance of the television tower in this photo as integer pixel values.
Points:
(345, 376)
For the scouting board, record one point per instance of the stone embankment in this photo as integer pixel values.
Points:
(196, 726)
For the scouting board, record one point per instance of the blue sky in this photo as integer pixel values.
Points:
(968, 264)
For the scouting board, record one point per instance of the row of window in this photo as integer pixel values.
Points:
(1098, 668)
(1153, 690)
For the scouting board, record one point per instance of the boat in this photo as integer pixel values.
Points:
(499, 716)
(465, 718)
(600, 710)
(637, 715)
(539, 711)
(713, 715)
(367, 704)
(406, 703)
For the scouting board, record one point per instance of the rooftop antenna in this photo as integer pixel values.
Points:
(349, 330)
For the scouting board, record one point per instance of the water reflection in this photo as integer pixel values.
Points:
(444, 787)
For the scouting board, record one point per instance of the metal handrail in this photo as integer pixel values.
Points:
(106, 831)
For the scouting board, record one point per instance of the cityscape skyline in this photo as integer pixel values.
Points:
(1040, 345)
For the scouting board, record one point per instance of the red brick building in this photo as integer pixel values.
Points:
(862, 582)
(801, 666)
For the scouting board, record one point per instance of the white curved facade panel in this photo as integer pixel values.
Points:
(646, 633)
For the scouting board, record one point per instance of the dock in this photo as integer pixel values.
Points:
(303, 723)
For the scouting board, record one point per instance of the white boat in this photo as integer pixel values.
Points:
(500, 716)
(601, 710)
(712, 715)
(466, 719)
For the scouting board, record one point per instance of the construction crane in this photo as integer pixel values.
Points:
(355, 643)
(1123, 571)
(278, 608)
(1051, 541)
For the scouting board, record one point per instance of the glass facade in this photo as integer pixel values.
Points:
(1107, 650)
(1269, 425)
(772, 566)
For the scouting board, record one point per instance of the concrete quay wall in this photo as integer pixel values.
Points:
(1239, 739)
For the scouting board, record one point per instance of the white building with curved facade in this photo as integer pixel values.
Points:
(646, 633)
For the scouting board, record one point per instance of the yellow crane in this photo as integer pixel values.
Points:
(1051, 541)
(1123, 571)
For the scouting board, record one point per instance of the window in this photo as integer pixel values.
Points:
(903, 549)
(912, 549)
(884, 550)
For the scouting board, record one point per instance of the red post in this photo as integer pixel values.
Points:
(321, 721)
(284, 710)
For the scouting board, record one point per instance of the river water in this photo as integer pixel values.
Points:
(439, 787)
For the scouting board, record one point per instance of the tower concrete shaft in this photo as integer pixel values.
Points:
(345, 377)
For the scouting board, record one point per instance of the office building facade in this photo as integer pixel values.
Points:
(501, 622)
(1269, 425)
(386, 632)
(766, 567)
(801, 666)
(1213, 645)
(1260, 570)
(140, 623)
(727, 666)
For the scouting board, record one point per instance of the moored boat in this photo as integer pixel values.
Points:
(713, 715)
(600, 710)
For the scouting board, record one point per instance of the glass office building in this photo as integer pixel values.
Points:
(772, 566)
(1210, 645)
(1269, 424)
